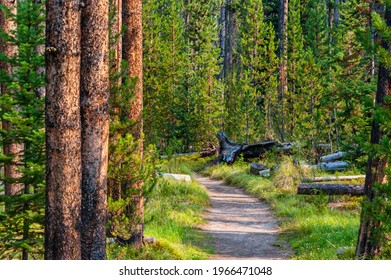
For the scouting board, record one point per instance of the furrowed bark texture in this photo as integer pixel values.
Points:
(94, 105)
(63, 139)
(132, 53)
(369, 245)
(15, 150)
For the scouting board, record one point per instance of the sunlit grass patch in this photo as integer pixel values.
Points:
(172, 215)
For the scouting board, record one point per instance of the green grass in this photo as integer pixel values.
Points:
(183, 164)
(172, 215)
(315, 226)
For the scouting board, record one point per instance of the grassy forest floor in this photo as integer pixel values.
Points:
(315, 226)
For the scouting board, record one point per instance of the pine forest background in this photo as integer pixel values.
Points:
(237, 66)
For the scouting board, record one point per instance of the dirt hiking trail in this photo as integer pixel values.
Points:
(240, 226)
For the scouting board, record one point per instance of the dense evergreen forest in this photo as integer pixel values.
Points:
(92, 94)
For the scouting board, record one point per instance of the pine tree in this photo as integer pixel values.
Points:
(258, 66)
(63, 137)
(294, 50)
(375, 219)
(22, 106)
(11, 149)
(94, 106)
(132, 53)
(282, 68)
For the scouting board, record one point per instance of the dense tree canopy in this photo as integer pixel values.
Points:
(168, 75)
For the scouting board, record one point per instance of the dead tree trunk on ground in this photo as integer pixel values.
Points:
(229, 150)
(330, 189)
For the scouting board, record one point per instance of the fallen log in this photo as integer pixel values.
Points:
(330, 189)
(334, 166)
(230, 150)
(333, 178)
(333, 157)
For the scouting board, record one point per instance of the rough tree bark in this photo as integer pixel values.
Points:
(132, 53)
(369, 245)
(94, 106)
(283, 60)
(63, 137)
(15, 150)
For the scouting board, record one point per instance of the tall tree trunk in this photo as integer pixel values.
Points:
(63, 131)
(283, 57)
(117, 30)
(94, 106)
(40, 92)
(15, 150)
(223, 36)
(229, 38)
(369, 243)
(132, 53)
(336, 12)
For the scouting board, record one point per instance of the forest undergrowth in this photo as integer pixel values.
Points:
(172, 215)
(318, 227)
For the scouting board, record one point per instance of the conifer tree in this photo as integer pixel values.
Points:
(282, 68)
(11, 149)
(21, 231)
(294, 50)
(258, 66)
(63, 137)
(375, 219)
(94, 106)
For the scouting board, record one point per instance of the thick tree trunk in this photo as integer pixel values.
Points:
(132, 52)
(94, 105)
(283, 58)
(63, 137)
(369, 243)
(15, 150)
(330, 189)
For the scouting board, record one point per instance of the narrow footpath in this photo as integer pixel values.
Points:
(240, 226)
